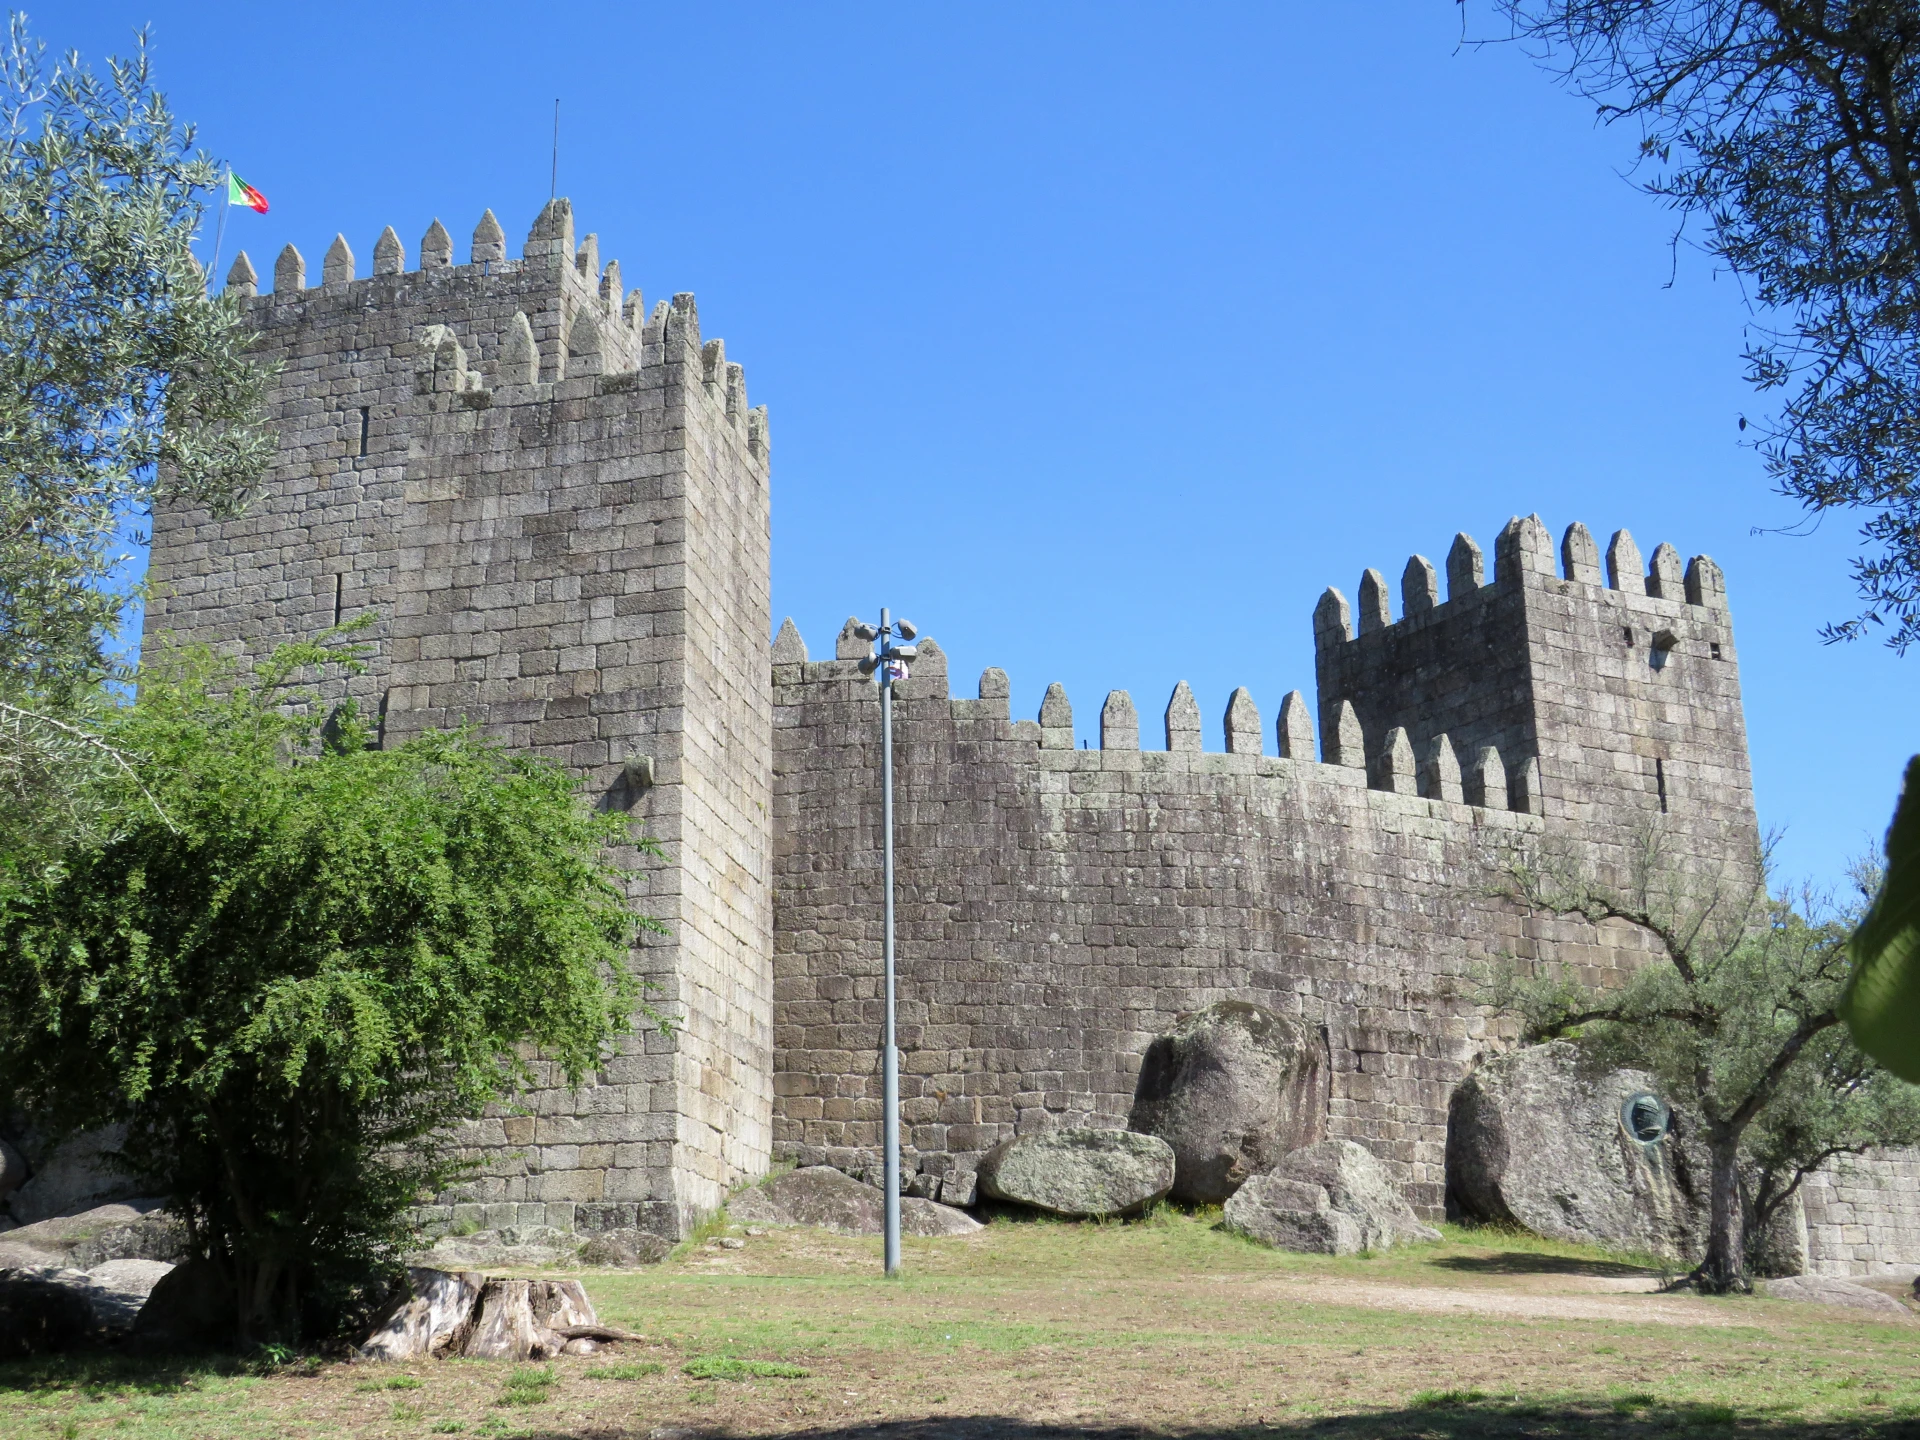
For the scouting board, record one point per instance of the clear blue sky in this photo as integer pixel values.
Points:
(1100, 338)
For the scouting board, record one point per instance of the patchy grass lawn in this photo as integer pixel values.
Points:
(1034, 1328)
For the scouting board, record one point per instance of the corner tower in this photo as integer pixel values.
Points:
(555, 506)
(1603, 694)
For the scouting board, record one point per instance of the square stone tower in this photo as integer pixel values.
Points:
(1601, 696)
(554, 505)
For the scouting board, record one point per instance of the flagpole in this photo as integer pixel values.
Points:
(220, 228)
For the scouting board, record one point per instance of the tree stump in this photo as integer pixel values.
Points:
(444, 1313)
(433, 1316)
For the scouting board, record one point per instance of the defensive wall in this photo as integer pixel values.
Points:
(1059, 907)
(553, 504)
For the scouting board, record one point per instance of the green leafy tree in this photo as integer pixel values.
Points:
(1739, 1021)
(1791, 130)
(121, 382)
(296, 961)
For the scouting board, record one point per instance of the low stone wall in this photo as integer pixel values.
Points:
(1863, 1215)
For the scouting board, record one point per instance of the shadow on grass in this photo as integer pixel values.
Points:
(96, 1373)
(1444, 1417)
(1526, 1262)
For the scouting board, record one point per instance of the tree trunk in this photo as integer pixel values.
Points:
(264, 1291)
(1724, 1270)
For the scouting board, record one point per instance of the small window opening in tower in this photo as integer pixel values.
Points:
(1664, 642)
(1627, 632)
(366, 422)
(1660, 782)
(1713, 648)
(339, 594)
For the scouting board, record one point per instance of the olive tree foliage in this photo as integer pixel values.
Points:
(297, 961)
(1791, 128)
(1739, 1021)
(121, 383)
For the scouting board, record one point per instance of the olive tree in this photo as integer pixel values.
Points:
(1738, 1018)
(121, 382)
(1790, 130)
(295, 961)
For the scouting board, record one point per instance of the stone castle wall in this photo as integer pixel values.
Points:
(555, 508)
(554, 505)
(1863, 1215)
(1059, 907)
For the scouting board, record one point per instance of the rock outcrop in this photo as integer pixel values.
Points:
(130, 1230)
(821, 1196)
(76, 1175)
(528, 1246)
(48, 1309)
(1537, 1139)
(1824, 1290)
(1232, 1088)
(624, 1249)
(1333, 1198)
(1079, 1172)
(13, 1170)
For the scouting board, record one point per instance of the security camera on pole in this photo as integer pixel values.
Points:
(887, 665)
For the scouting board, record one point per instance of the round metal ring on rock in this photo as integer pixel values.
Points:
(1646, 1118)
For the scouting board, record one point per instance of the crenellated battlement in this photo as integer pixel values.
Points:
(555, 315)
(1437, 773)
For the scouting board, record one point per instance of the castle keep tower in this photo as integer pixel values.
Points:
(555, 505)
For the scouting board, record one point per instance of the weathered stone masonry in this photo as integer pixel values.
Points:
(555, 506)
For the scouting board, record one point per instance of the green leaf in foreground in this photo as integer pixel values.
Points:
(1882, 1001)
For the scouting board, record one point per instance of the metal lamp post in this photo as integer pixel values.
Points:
(888, 664)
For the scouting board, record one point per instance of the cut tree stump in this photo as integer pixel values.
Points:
(433, 1316)
(443, 1313)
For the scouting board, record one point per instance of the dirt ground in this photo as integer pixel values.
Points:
(1168, 1326)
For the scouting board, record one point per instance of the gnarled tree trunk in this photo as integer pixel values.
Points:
(1724, 1268)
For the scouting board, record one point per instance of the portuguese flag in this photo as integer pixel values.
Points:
(241, 193)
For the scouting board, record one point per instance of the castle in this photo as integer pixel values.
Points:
(554, 502)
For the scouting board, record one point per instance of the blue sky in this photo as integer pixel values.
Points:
(1099, 339)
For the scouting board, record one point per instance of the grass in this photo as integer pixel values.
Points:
(625, 1372)
(1049, 1329)
(731, 1367)
(524, 1386)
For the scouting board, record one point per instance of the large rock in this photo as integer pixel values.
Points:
(78, 1175)
(191, 1307)
(821, 1196)
(55, 1308)
(625, 1248)
(42, 1314)
(1232, 1088)
(124, 1230)
(1333, 1198)
(1079, 1172)
(1823, 1290)
(521, 1247)
(1537, 1139)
